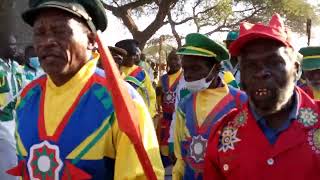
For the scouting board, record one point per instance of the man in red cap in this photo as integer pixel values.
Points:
(276, 134)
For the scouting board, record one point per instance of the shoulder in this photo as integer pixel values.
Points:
(225, 122)
(237, 93)
(40, 81)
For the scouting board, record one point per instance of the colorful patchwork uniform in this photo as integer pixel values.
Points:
(243, 146)
(32, 74)
(196, 115)
(71, 132)
(11, 82)
(242, 149)
(140, 80)
(168, 84)
(198, 112)
(310, 62)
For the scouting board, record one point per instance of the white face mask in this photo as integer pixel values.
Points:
(201, 84)
(198, 85)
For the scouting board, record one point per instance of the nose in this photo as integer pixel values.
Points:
(263, 74)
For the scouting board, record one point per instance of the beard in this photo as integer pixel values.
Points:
(275, 100)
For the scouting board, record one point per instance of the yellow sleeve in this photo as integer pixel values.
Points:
(152, 95)
(178, 169)
(127, 164)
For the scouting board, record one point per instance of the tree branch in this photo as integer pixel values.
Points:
(174, 31)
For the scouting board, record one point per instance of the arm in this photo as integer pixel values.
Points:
(127, 164)
(152, 95)
(178, 169)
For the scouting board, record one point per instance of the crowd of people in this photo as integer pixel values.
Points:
(245, 109)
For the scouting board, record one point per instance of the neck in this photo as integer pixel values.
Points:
(216, 83)
(277, 119)
(60, 80)
(173, 71)
(63, 78)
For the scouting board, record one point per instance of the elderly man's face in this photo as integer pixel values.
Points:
(268, 74)
(61, 42)
(313, 78)
(195, 67)
(174, 62)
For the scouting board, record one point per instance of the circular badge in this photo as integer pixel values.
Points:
(44, 161)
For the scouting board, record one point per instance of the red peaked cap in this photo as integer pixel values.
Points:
(248, 32)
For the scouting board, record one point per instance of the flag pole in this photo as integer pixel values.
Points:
(124, 107)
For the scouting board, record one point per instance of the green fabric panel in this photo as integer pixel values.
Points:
(233, 83)
(95, 140)
(133, 80)
(100, 93)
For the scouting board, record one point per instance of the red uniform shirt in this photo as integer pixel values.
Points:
(238, 149)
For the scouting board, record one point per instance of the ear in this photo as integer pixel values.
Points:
(298, 70)
(91, 40)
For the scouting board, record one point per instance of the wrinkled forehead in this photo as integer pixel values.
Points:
(266, 53)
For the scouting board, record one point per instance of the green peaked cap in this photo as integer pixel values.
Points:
(92, 11)
(311, 58)
(201, 45)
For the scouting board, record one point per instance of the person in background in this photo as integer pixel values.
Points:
(144, 84)
(209, 100)
(311, 71)
(146, 66)
(11, 78)
(32, 68)
(167, 95)
(67, 127)
(232, 64)
(276, 134)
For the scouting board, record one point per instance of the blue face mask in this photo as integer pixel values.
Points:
(34, 62)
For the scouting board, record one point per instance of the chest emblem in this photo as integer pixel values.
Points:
(228, 139)
(44, 162)
(240, 119)
(169, 97)
(198, 148)
(307, 117)
(314, 140)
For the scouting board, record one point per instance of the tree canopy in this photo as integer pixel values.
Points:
(208, 16)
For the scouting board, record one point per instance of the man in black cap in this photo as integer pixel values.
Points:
(131, 70)
(67, 128)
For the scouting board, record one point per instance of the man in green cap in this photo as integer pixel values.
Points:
(232, 64)
(197, 113)
(67, 128)
(311, 70)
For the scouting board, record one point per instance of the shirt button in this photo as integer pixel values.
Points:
(270, 162)
(225, 167)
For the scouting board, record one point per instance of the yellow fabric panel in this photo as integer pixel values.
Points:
(146, 84)
(20, 145)
(65, 95)
(316, 94)
(173, 77)
(3, 99)
(127, 70)
(127, 163)
(103, 148)
(180, 134)
(152, 95)
(206, 100)
(228, 77)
